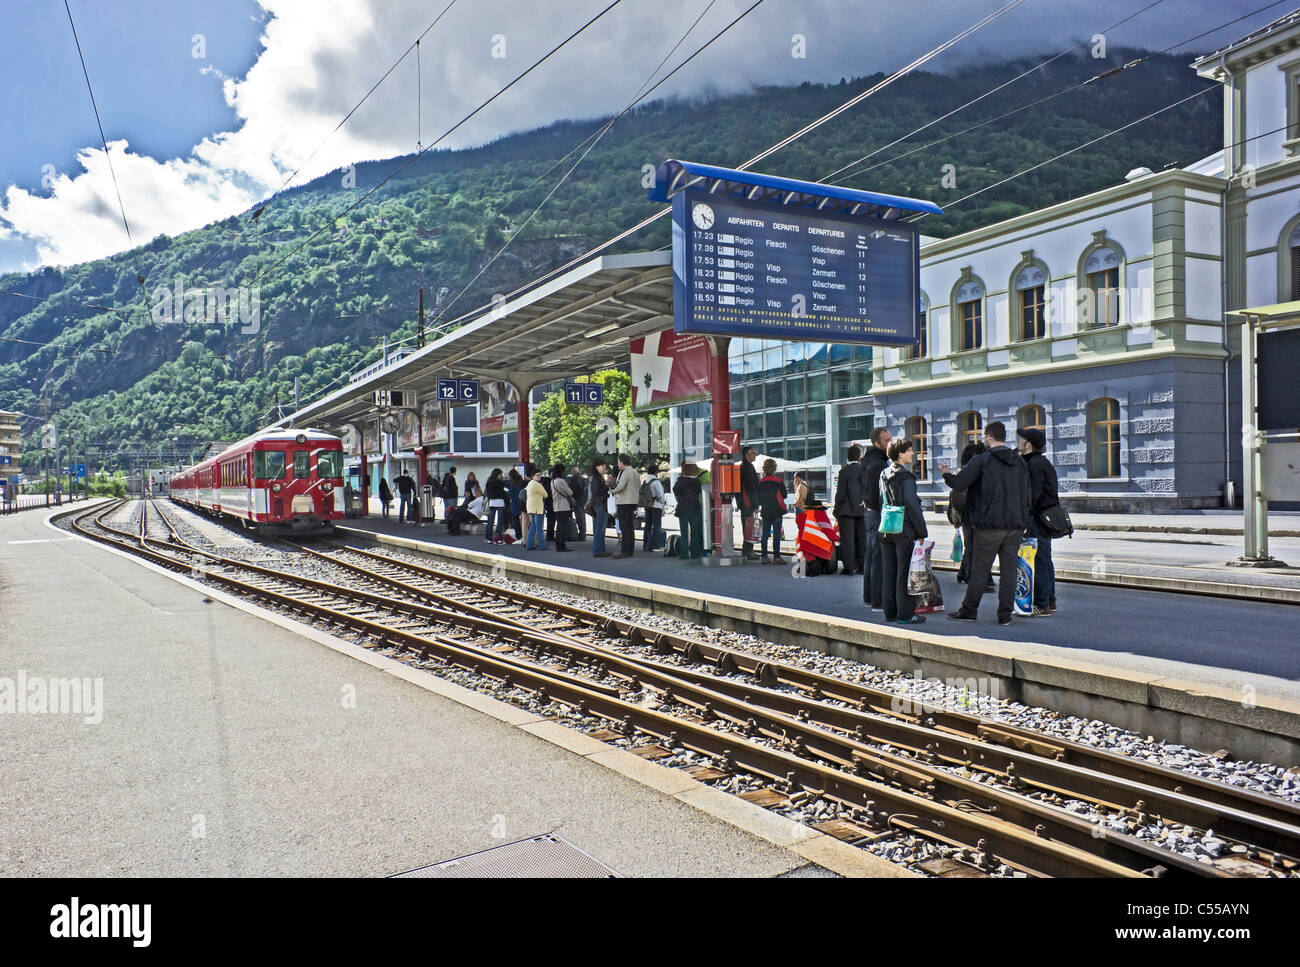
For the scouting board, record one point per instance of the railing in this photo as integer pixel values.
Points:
(31, 501)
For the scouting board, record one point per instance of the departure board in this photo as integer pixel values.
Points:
(752, 268)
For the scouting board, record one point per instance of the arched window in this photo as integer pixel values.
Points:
(1293, 252)
(1103, 438)
(1031, 298)
(970, 315)
(922, 349)
(970, 429)
(1101, 276)
(1031, 416)
(915, 431)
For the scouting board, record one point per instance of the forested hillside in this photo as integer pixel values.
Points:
(83, 338)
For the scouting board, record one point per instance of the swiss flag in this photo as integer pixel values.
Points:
(669, 367)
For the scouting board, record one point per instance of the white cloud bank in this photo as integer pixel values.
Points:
(321, 56)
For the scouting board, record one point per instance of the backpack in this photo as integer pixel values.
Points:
(646, 497)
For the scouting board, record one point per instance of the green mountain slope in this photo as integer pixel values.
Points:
(114, 374)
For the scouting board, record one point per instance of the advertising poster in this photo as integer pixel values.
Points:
(370, 437)
(669, 367)
(408, 432)
(351, 441)
(433, 417)
(498, 408)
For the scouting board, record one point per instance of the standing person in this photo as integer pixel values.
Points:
(874, 461)
(495, 492)
(405, 490)
(800, 494)
(898, 486)
(535, 504)
(850, 510)
(385, 496)
(515, 501)
(690, 513)
(449, 492)
(1042, 495)
(771, 503)
(550, 507)
(598, 501)
(747, 500)
(957, 516)
(817, 538)
(997, 506)
(562, 506)
(578, 484)
(625, 491)
(651, 499)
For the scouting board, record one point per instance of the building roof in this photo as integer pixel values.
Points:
(1279, 25)
(572, 325)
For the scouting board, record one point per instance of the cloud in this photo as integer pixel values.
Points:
(320, 56)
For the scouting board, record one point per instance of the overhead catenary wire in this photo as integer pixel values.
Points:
(1103, 75)
(806, 129)
(447, 133)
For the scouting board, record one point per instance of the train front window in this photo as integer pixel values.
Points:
(329, 464)
(268, 465)
(300, 469)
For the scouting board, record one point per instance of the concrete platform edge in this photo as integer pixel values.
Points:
(1263, 728)
(805, 843)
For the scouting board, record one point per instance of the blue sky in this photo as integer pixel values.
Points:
(195, 139)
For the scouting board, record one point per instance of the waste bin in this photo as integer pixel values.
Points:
(426, 503)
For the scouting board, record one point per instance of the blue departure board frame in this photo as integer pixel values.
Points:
(755, 268)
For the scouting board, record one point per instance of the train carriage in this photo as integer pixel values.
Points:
(290, 480)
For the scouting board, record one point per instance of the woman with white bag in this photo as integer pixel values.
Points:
(902, 524)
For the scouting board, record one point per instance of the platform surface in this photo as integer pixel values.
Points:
(1230, 643)
(226, 748)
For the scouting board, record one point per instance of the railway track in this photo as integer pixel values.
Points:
(992, 793)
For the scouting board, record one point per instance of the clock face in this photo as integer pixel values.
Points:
(703, 216)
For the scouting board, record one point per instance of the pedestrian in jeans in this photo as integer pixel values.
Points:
(515, 502)
(562, 504)
(405, 490)
(625, 491)
(651, 498)
(898, 489)
(874, 461)
(535, 504)
(1042, 495)
(850, 510)
(997, 506)
(495, 492)
(690, 513)
(771, 503)
(597, 503)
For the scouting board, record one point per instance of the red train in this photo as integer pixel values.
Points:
(281, 479)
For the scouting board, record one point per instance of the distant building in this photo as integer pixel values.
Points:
(11, 443)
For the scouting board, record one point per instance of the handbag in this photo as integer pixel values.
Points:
(1055, 522)
(891, 515)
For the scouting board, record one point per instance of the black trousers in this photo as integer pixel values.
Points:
(627, 528)
(579, 522)
(896, 560)
(990, 543)
(852, 535)
(563, 520)
(550, 526)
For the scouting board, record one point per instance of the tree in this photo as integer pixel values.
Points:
(576, 434)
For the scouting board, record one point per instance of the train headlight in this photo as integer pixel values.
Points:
(326, 487)
(301, 438)
(275, 488)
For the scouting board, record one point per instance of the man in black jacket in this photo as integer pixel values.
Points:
(748, 501)
(450, 493)
(850, 510)
(1042, 495)
(997, 507)
(869, 560)
(578, 484)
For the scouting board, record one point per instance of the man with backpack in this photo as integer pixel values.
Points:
(449, 492)
(1043, 499)
(651, 499)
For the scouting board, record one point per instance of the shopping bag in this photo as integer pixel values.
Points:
(753, 529)
(956, 548)
(919, 573)
(932, 600)
(1025, 575)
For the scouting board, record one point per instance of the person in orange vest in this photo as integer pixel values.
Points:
(818, 537)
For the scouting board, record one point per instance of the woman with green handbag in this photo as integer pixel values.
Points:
(902, 524)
